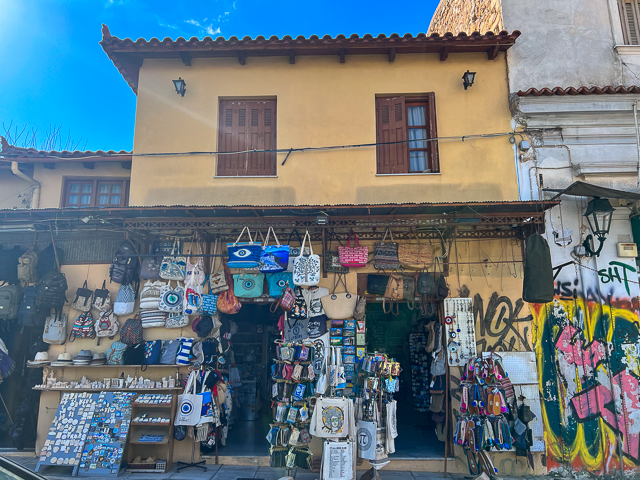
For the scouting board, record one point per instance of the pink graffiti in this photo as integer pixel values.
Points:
(599, 401)
(574, 350)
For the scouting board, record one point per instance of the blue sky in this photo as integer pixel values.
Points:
(55, 72)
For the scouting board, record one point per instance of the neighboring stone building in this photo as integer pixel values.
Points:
(572, 78)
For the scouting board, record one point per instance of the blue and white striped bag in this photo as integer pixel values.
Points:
(184, 351)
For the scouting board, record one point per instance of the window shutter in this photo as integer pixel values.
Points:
(247, 125)
(630, 20)
(391, 126)
(432, 132)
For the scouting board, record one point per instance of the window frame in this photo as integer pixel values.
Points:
(95, 182)
(428, 101)
(267, 160)
(624, 21)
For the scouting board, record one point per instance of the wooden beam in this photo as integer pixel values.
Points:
(342, 52)
(242, 57)
(89, 165)
(256, 212)
(492, 52)
(292, 57)
(186, 58)
(49, 166)
(392, 54)
(444, 53)
(126, 165)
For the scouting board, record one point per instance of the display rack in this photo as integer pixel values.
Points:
(460, 330)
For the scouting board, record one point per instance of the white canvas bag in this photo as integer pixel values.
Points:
(189, 404)
(306, 270)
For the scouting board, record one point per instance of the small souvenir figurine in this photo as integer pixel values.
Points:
(172, 382)
(165, 383)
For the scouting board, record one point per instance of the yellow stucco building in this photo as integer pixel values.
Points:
(325, 134)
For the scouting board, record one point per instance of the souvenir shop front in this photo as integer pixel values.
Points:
(317, 338)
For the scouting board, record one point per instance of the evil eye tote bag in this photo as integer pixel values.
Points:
(171, 298)
(173, 267)
(274, 258)
(244, 254)
(306, 270)
(189, 404)
(248, 285)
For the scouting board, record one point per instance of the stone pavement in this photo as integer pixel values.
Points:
(228, 472)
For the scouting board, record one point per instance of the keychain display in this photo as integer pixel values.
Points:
(460, 332)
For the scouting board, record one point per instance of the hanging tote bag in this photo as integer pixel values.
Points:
(248, 285)
(227, 301)
(150, 267)
(150, 294)
(171, 298)
(189, 404)
(394, 291)
(277, 282)
(306, 269)
(192, 304)
(195, 271)
(243, 254)
(332, 258)
(210, 301)
(84, 298)
(102, 298)
(176, 320)
(55, 329)
(125, 300)
(295, 252)
(415, 254)
(173, 267)
(385, 254)
(274, 258)
(218, 277)
(339, 306)
(353, 256)
(152, 318)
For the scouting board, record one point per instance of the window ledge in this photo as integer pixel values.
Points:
(245, 176)
(627, 49)
(405, 174)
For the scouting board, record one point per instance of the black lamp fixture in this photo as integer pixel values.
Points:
(599, 213)
(468, 78)
(181, 86)
(322, 218)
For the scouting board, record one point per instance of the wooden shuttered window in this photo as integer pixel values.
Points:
(630, 19)
(95, 192)
(402, 125)
(247, 125)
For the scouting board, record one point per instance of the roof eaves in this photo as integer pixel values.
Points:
(607, 90)
(11, 152)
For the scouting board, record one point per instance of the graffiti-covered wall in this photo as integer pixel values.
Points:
(587, 351)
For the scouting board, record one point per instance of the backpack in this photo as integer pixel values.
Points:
(131, 332)
(125, 300)
(124, 268)
(27, 267)
(55, 329)
(83, 327)
(107, 324)
(10, 296)
(115, 353)
(28, 314)
(52, 292)
(134, 355)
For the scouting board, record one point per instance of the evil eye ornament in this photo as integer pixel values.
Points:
(242, 252)
(448, 319)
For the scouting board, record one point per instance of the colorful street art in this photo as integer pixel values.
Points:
(588, 354)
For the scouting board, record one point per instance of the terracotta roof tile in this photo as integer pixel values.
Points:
(127, 54)
(578, 91)
(10, 152)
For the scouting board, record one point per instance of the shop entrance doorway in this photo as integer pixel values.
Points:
(404, 337)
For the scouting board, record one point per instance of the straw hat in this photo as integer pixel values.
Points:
(64, 359)
(42, 358)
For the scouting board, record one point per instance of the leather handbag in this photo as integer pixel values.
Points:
(173, 267)
(415, 254)
(217, 277)
(277, 282)
(243, 254)
(248, 285)
(150, 266)
(306, 269)
(377, 284)
(332, 258)
(84, 299)
(353, 256)
(295, 252)
(171, 298)
(274, 258)
(339, 306)
(426, 286)
(385, 254)
(394, 291)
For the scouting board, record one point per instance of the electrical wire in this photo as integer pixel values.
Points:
(279, 150)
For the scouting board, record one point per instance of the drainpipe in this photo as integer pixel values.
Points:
(35, 198)
(635, 119)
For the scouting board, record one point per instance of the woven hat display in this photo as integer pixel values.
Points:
(63, 360)
(99, 359)
(83, 358)
(42, 358)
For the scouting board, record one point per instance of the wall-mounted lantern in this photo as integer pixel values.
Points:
(181, 86)
(322, 219)
(599, 213)
(468, 78)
